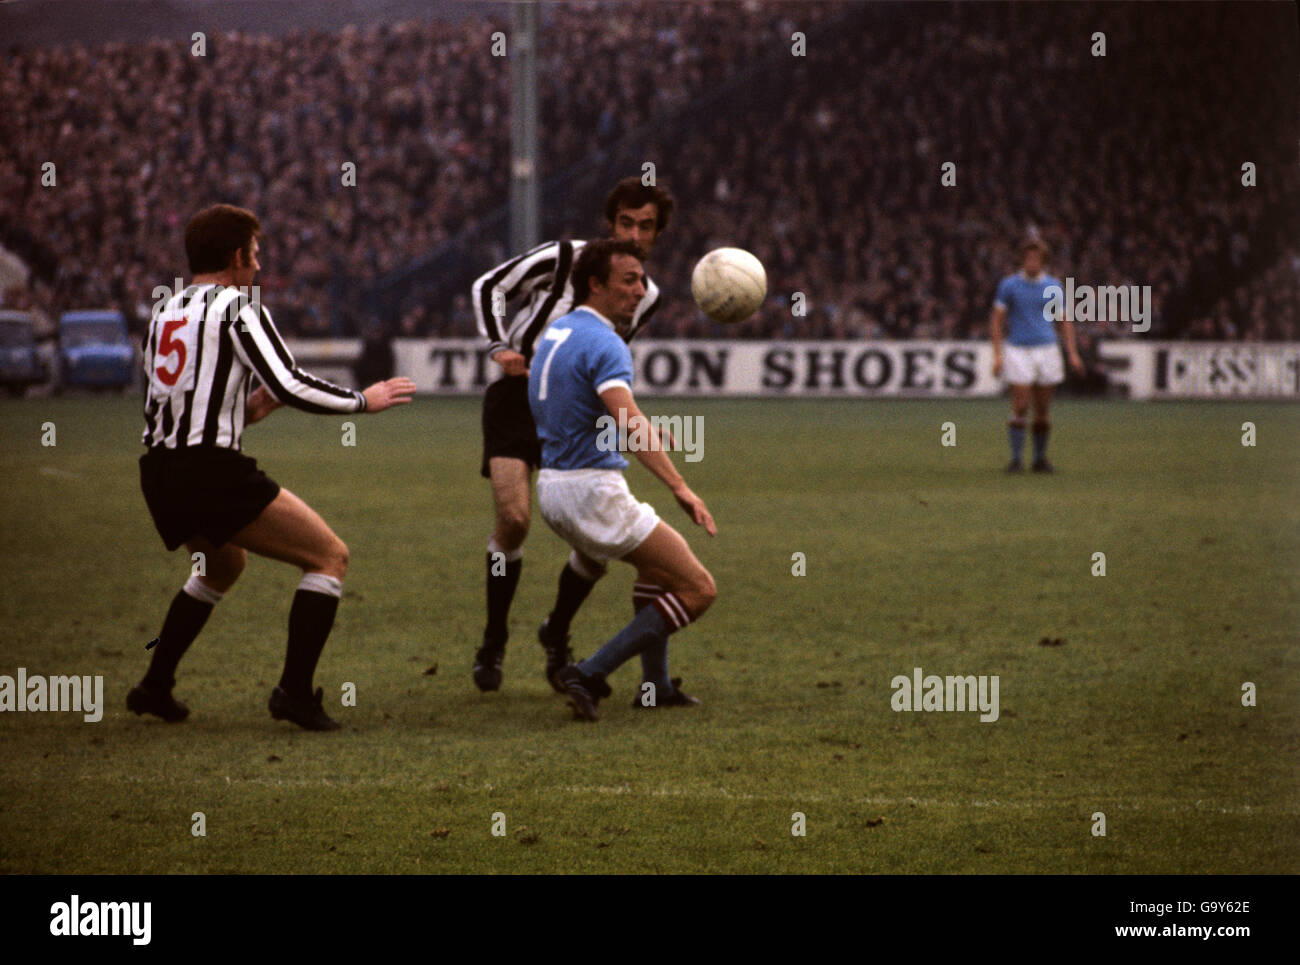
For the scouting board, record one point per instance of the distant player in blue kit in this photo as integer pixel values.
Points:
(1032, 358)
(581, 372)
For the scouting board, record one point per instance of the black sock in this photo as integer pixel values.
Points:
(574, 588)
(185, 618)
(310, 619)
(500, 593)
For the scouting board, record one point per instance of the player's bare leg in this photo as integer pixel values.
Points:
(665, 559)
(511, 500)
(291, 531)
(1042, 398)
(672, 590)
(1016, 425)
(215, 570)
(220, 566)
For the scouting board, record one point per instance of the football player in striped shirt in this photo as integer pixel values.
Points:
(204, 346)
(582, 375)
(1032, 357)
(538, 286)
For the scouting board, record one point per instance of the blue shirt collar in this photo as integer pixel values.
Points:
(588, 308)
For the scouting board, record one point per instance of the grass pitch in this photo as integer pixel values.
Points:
(917, 555)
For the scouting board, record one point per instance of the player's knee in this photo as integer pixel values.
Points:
(222, 569)
(512, 526)
(231, 567)
(703, 592)
(336, 560)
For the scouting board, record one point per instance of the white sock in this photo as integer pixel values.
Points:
(201, 591)
(510, 555)
(320, 583)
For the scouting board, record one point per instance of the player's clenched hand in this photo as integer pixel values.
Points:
(997, 365)
(512, 363)
(696, 509)
(1076, 363)
(383, 395)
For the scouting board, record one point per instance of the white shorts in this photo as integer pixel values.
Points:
(1033, 364)
(594, 512)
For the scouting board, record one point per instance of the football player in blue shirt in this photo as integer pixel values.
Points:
(1032, 357)
(579, 384)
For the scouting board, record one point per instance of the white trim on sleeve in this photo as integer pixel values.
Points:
(613, 384)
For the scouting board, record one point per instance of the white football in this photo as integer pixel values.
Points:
(729, 285)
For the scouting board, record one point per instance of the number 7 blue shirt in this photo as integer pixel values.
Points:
(577, 358)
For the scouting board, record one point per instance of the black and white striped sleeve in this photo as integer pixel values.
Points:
(260, 347)
(516, 278)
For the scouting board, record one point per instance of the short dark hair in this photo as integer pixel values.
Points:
(214, 235)
(631, 193)
(594, 262)
(1032, 244)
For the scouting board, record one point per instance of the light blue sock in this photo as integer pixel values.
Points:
(1016, 435)
(646, 629)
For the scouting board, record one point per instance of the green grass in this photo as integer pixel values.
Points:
(917, 555)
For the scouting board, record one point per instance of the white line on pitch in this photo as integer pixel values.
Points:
(793, 797)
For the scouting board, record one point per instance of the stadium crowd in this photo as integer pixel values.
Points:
(827, 166)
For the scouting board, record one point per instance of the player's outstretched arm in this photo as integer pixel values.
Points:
(380, 396)
(654, 458)
(259, 346)
(386, 394)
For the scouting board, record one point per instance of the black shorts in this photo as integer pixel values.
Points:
(203, 491)
(508, 427)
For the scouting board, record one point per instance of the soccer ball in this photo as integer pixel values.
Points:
(729, 285)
